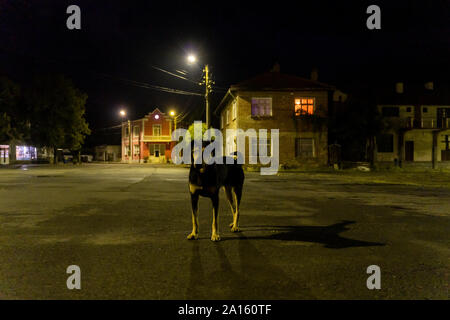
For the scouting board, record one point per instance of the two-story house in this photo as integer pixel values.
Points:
(298, 107)
(150, 138)
(418, 128)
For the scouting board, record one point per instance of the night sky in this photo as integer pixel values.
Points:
(122, 41)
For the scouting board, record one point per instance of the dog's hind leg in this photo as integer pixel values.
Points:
(237, 194)
(194, 203)
(215, 223)
(231, 202)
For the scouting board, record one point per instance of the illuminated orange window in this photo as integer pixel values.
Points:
(304, 106)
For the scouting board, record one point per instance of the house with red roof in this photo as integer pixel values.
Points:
(297, 106)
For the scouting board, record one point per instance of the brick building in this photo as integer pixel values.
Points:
(151, 138)
(417, 126)
(298, 107)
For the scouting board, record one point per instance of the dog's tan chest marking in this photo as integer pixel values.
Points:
(194, 187)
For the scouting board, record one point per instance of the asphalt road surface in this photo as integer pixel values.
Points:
(303, 237)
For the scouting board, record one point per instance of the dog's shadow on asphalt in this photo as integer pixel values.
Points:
(252, 275)
(329, 236)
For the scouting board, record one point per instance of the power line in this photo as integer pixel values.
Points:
(131, 82)
(150, 86)
(215, 88)
(173, 74)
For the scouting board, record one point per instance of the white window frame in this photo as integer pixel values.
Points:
(259, 113)
(136, 131)
(136, 149)
(160, 130)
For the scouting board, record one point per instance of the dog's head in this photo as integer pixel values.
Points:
(196, 153)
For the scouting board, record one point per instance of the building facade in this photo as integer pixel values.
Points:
(19, 152)
(296, 106)
(150, 139)
(417, 127)
(108, 153)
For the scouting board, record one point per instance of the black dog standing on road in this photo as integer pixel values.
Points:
(206, 180)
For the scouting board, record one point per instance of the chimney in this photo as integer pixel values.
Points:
(315, 74)
(429, 85)
(399, 87)
(276, 67)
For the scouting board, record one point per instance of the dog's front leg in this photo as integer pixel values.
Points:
(215, 223)
(194, 204)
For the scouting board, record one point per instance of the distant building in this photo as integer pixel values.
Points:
(108, 153)
(19, 152)
(151, 138)
(418, 126)
(298, 107)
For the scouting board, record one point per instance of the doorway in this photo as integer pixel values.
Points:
(409, 150)
(4, 155)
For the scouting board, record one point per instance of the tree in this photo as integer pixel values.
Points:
(354, 126)
(57, 111)
(191, 130)
(5, 127)
(12, 120)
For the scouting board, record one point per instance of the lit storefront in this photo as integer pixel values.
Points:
(4, 154)
(24, 153)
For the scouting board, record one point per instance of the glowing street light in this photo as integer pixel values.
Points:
(172, 114)
(208, 86)
(191, 58)
(123, 114)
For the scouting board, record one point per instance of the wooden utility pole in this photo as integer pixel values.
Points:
(130, 142)
(208, 88)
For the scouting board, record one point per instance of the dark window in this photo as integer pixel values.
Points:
(304, 147)
(390, 112)
(425, 110)
(408, 109)
(385, 143)
(152, 149)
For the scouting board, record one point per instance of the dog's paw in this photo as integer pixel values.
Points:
(192, 236)
(235, 229)
(215, 237)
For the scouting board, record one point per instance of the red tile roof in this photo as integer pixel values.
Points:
(280, 81)
(275, 81)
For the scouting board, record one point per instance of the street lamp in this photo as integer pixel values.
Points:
(191, 58)
(173, 115)
(123, 114)
(208, 86)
